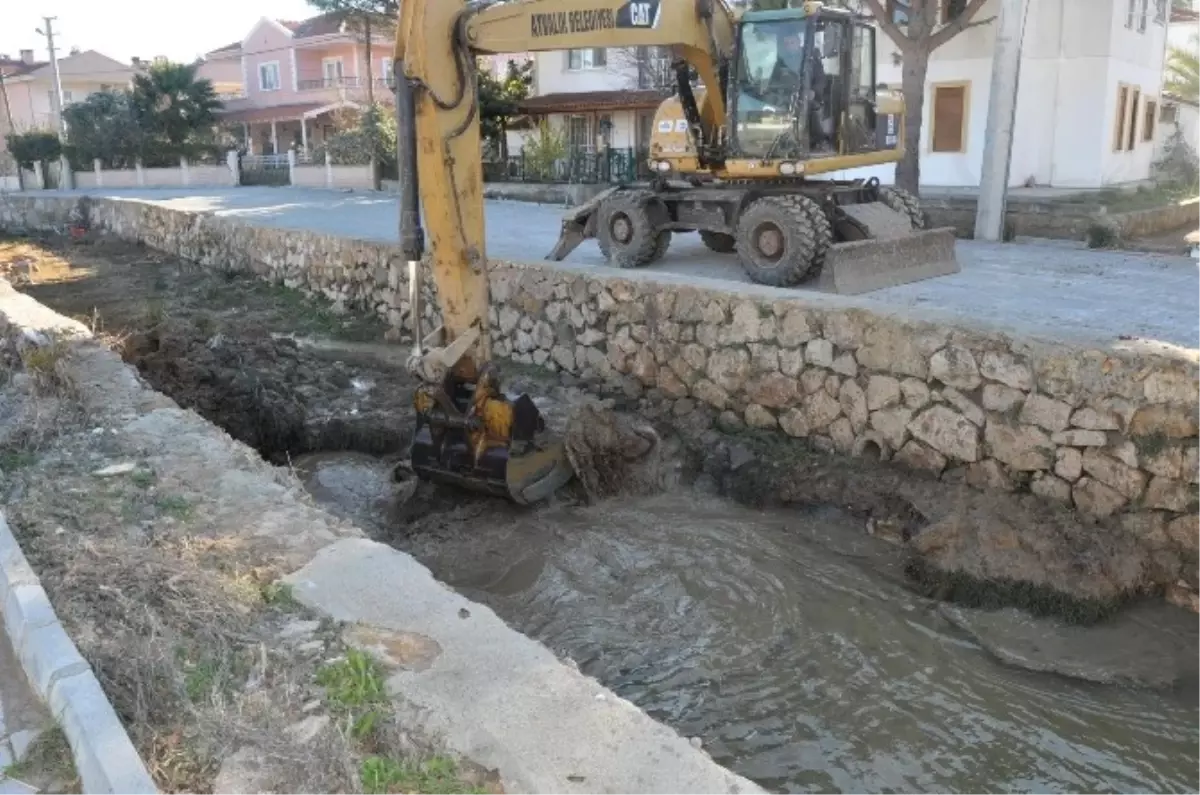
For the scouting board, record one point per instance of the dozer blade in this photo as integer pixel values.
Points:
(893, 254)
(579, 224)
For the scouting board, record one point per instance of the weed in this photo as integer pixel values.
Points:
(143, 478)
(48, 763)
(45, 363)
(155, 314)
(174, 505)
(354, 687)
(200, 679)
(279, 594)
(1102, 235)
(437, 774)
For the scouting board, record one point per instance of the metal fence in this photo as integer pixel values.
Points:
(611, 165)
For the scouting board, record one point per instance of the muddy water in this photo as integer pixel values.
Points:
(787, 643)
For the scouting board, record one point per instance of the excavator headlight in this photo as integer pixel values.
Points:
(787, 169)
(663, 166)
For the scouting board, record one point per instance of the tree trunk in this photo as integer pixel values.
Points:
(376, 177)
(915, 66)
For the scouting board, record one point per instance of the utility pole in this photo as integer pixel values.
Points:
(65, 169)
(1002, 111)
(11, 128)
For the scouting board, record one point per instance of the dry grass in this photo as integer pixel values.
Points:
(48, 764)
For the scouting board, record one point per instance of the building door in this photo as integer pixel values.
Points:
(579, 134)
(332, 71)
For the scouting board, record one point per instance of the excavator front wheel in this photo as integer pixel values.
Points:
(629, 229)
(777, 241)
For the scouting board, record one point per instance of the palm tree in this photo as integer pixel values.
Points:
(173, 106)
(1183, 71)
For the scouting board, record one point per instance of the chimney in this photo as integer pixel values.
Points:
(75, 51)
(27, 56)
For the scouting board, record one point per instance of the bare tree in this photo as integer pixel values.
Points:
(928, 27)
(646, 67)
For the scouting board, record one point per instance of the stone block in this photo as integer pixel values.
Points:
(26, 609)
(1077, 437)
(1171, 420)
(1068, 463)
(1096, 419)
(892, 425)
(916, 394)
(821, 409)
(1184, 532)
(886, 351)
(990, 474)
(729, 368)
(14, 568)
(1049, 487)
(854, 405)
(845, 365)
(1007, 369)
(791, 362)
(948, 432)
(759, 417)
(774, 390)
(1053, 415)
(918, 456)
(1095, 500)
(964, 405)
(1126, 480)
(1021, 447)
(819, 352)
(795, 328)
(812, 380)
(794, 422)
(1169, 494)
(883, 392)
(47, 655)
(1000, 398)
(711, 394)
(842, 434)
(1167, 462)
(955, 366)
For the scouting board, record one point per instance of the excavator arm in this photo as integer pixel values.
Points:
(469, 432)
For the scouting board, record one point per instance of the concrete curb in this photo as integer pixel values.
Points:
(104, 756)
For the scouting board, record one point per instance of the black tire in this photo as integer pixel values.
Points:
(628, 229)
(776, 241)
(822, 230)
(904, 202)
(718, 241)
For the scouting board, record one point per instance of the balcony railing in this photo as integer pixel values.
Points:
(325, 83)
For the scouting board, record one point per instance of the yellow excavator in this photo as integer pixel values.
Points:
(766, 101)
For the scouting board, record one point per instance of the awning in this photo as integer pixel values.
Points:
(275, 113)
(575, 101)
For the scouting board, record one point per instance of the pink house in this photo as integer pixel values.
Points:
(295, 75)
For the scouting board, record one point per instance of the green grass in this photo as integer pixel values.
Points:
(200, 679)
(291, 308)
(47, 761)
(435, 775)
(174, 505)
(143, 478)
(279, 594)
(16, 459)
(355, 688)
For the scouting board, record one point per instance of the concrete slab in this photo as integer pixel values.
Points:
(1061, 292)
(497, 697)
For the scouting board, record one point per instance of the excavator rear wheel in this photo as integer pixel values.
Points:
(718, 241)
(905, 203)
(776, 241)
(822, 230)
(629, 229)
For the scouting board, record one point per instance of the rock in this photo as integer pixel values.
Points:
(842, 433)
(298, 629)
(845, 365)
(759, 417)
(306, 730)
(1182, 595)
(1191, 464)
(1095, 419)
(710, 393)
(1068, 463)
(918, 456)
(695, 356)
(729, 422)
(540, 357)
(791, 362)
(763, 358)
(948, 432)
(1095, 500)
(916, 393)
(833, 385)
(524, 342)
(845, 328)
(1125, 452)
(729, 368)
(1076, 437)
(1167, 462)
(683, 407)
(820, 409)
(1000, 398)
(812, 380)
(889, 352)
(774, 390)
(1021, 447)
(1171, 386)
(1007, 369)
(892, 425)
(543, 335)
(965, 405)
(854, 405)
(745, 326)
(1125, 479)
(955, 366)
(644, 367)
(112, 470)
(819, 352)
(989, 474)
(615, 454)
(590, 336)
(1053, 415)
(508, 319)
(883, 391)
(1170, 495)
(1184, 532)
(1025, 554)
(1049, 487)
(1170, 420)
(794, 423)
(795, 329)
(670, 384)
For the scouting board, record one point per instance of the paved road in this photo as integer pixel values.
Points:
(1047, 289)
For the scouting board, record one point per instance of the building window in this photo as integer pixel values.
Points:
(1160, 12)
(1149, 117)
(1125, 124)
(332, 70)
(950, 103)
(590, 58)
(579, 134)
(268, 76)
(1131, 14)
(952, 9)
(1145, 12)
(385, 69)
(899, 10)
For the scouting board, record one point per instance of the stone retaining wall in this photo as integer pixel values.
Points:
(1060, 220)
(1111, 430)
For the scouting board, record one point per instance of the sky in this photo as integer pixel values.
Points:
(122, 29)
